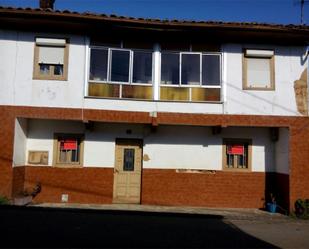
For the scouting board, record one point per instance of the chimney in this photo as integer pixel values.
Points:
(47, 4)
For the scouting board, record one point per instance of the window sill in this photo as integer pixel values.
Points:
(236, 170)
(50, 78)
(67, 166)
(258, 89)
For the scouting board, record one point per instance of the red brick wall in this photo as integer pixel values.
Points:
(83, 185)
(213, 189)
(299, 138)
(6, 150)
(219, 189)
(159, 187)
(299, 161)
(18, 180)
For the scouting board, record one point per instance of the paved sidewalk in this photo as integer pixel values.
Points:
(227, 213)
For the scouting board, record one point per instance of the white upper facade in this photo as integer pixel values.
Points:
(229, 95)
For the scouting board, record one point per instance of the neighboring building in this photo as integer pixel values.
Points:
(102, 109)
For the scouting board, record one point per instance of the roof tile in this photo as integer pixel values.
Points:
(155, 20)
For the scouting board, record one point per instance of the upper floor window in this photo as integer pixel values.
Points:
(258, 70)
(50, 59)
(198, 75)
(128, 73)
(120, 73)
(120, 66)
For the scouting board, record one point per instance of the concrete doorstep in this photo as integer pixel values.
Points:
(22, 201)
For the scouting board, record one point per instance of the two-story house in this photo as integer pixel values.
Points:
(112, 109)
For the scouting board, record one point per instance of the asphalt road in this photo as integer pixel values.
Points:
(287, 233)
(55, 227)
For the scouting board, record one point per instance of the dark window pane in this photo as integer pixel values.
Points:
(169, 68)
(190, 69)
(58, 70)
(240, 161)
(75, 155)
(230, 161)
(44, 69)
(120, 66)
(211, 70)
(142, 67)
(128, 159)
(98, 64)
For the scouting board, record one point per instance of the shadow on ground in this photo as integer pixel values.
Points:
(56, 227)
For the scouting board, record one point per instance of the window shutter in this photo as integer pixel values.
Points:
(50, 42)
(51, 55)
(258, 72)
(259, 53)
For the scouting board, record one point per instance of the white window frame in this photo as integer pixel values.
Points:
(180, 67)
(109, 63)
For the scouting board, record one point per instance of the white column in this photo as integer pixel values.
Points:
(156, 71)
(224, 79)
(87, 65)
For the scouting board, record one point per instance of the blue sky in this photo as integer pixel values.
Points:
(270, 11)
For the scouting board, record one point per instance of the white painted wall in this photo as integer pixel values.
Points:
(282, 152)
(18, 88)
(16, 68)
(8, 55)
(288, 68)
(170, 147)
(262, 147)
(41, 134)
(20, 142)
(152, 106)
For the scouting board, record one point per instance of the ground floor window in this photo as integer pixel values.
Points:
(68, 150)
(237, 154)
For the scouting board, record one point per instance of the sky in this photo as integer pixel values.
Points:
(265, 11)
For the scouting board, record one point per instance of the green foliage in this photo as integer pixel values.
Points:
(302, 208)
(4, 200)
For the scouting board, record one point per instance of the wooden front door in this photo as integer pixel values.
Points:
(127, 171)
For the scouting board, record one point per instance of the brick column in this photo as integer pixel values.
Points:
(299, 160)
(6, 150)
